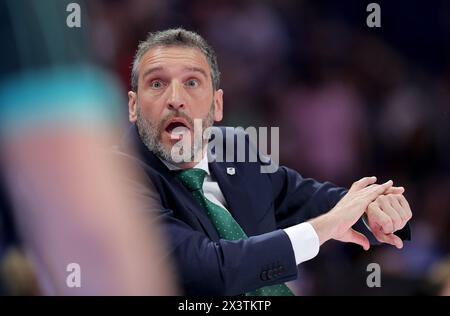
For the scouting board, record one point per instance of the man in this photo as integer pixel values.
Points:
(233, 229)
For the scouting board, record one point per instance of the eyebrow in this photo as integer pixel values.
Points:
(159, 68)
(151, 70)
(197, 69)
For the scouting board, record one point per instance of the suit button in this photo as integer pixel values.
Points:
(264, 276)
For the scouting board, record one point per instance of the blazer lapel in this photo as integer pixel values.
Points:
(185, 198)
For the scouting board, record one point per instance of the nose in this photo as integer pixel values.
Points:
(176, 98)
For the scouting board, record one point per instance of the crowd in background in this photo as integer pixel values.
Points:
(350, 101)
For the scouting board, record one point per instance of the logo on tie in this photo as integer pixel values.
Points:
(231, 171)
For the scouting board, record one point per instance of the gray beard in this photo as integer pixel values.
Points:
(151, 133)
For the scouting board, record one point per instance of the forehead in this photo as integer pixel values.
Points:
(174, 57)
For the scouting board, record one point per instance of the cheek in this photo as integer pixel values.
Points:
(152, 111)
(201, 106)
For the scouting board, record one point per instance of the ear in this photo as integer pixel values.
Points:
(132, 106)
(218, 105)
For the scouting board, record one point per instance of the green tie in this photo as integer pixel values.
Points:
(224, 222)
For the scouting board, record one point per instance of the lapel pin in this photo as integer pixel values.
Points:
(231, 171)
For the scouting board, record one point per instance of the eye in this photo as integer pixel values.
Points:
(192, 83)
(156, 84)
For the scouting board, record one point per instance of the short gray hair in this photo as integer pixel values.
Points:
(175, 37)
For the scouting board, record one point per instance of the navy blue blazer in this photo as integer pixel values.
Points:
(262, 203)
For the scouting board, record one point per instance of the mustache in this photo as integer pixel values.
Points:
(175, 114)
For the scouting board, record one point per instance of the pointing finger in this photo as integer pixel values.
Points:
(373, 192)
(362, 183)
(395, 190)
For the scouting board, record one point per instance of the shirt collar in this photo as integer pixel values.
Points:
(203, 164)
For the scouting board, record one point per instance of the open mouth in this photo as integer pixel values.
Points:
(176, 127)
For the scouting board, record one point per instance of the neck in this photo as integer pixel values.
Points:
(186, 165)
(191, 164)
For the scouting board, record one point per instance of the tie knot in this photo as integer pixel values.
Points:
(192, 178)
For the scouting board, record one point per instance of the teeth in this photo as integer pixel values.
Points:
(176, 137)
(178, 132)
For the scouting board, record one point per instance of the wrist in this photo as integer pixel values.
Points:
(323, 225)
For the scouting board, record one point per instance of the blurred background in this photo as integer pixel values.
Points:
(350, 101)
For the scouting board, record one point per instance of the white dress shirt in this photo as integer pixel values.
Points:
(303, 237)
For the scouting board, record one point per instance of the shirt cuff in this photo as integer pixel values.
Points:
(304, 240)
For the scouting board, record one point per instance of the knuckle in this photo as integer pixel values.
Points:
(404, 218)
(385, 222)
(404, 200)
(387, 225)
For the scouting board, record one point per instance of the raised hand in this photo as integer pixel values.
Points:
(388, 214)
(337, 223)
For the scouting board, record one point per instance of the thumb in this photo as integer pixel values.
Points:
(357, 238)
(390, 239)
